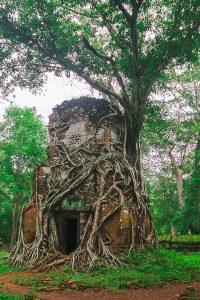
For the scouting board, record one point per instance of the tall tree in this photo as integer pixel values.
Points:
(170, 137)
(191, 214)
(22, 148)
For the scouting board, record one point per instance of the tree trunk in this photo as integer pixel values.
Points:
(14, 226)
(193, 203)
(132, 132)
(179, 179)
(133, 127)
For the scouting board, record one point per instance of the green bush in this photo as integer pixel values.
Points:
(5, 296)
(180, 239)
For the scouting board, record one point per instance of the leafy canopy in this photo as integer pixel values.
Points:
(131, 43)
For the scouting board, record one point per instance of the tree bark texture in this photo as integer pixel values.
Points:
(14, 228)
(179, 179)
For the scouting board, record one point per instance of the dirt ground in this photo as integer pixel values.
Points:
(176, 291)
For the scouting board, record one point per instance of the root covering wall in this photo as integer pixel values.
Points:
(88, 178)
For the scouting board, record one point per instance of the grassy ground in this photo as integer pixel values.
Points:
(148, 268)
(185, 239)
(5, 268)
(5, 296)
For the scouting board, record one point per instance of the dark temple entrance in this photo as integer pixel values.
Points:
(68, 231)
(71, 234)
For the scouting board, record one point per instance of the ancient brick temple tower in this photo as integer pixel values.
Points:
(84, 156)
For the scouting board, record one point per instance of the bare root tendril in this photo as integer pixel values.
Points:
(110, 164)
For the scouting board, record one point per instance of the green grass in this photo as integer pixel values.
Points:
(6, 296)
(181, 239)
(4, 267)
(147, 268)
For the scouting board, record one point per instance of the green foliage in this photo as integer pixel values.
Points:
(79, 37)
(6, 296)
(191, 214)
(164, 203)
(6, 207)
(146, 268)
(171, 128)
(4, 267)
(4, 253)
(22, 148)
(187, 239)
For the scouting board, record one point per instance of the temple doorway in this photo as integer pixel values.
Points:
(68, 228)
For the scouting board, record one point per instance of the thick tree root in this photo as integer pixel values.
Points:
(117, 183)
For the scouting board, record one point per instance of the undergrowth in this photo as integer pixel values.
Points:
(185, 239)
(4, 267)
(6, 296)
(147, 268)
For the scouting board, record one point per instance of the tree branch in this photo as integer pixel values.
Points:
(95, 52)
(113, 64)
(68, 65)
(124, 11)
(98, 86)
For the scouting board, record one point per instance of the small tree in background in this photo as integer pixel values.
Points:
(170, 141)
(22, 148)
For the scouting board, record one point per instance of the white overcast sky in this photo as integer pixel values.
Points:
(54, 92)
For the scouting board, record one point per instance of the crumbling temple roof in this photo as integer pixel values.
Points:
(94, 108)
